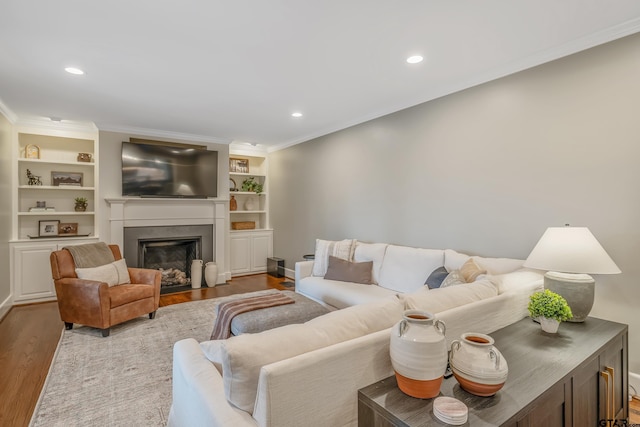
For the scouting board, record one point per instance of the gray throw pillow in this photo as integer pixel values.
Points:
(436, 277)
(345, 271)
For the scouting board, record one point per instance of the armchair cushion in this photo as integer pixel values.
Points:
(114, 273)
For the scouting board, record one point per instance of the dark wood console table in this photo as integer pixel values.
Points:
(554, 380)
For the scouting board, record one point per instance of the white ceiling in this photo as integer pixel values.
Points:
(235, 70)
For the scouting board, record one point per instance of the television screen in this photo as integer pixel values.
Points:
(150, 170)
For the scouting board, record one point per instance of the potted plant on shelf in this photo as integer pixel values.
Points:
(250, 184)
(81, 204)
(549, 309)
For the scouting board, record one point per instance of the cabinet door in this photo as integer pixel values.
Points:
(240, 251)
(551, 409)
(261, 250)
(585, 394)
(614, 398)
(32, 272)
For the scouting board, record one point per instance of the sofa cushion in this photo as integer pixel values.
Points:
(341, 249)
(371, 252)
(345, 271)
(436, 277)
(341, 294)
(243, 356)
(441, 299)
(405, 269)
(454, 260)
(453, 279)
(114, 273)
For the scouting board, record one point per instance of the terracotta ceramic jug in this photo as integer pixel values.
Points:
(233, 204)
(419, 353)
(477, 365)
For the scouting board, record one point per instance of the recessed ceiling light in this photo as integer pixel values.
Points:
(74, 70)
(296, 114)
(414, 59)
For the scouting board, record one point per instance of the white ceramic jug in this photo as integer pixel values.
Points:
(419, 353)
(196, 273)
(477, 365)
(211, 274)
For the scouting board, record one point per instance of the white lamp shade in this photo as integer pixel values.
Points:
(570, 250)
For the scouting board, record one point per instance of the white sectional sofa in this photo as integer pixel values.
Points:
(309, 374)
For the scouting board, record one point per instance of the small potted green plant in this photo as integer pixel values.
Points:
(81, 204)
(250, 184)
(549, 309)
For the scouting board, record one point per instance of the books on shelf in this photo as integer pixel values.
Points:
(47, 209)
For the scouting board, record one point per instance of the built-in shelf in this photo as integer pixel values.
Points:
(55, 162)
(56, 188)
(55, 213)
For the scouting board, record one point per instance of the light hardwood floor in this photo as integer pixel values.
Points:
(29, 335)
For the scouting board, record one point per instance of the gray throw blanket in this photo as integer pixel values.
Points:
(91, 254)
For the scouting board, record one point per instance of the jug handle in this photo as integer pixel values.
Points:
(494, 355)
(440, 326)
(455, 346)
(402, 327)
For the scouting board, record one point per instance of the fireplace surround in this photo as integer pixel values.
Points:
(167, 219)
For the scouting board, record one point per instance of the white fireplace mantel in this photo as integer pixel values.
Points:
(149, 212)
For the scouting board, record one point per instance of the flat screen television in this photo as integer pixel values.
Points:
(150, 170)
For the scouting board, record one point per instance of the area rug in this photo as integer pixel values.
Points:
(123, 379)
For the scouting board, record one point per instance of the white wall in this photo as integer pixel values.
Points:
(485, 171)
(111, 171)
(6, 147)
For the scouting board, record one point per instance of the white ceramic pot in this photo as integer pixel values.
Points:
(196, 273)
(248, 204)
(477, 365)
(549, 325)
(419, 353)
(211, 274)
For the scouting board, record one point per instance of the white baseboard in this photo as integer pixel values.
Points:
(5, 306)
(289, 273)
(634, 381)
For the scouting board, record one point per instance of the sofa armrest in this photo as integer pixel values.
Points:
(198, 392)
(303, 269)
(147, 276)
(322, 385)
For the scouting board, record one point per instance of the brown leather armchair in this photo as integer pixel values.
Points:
(95, 304)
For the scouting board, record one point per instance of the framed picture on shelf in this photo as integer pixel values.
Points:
(60, 179)
(32, 151)
(238, 165)
(48, 228)
(68, 228)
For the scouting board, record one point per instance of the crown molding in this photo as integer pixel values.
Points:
(578, 45)
(6, 111)
(156, 133)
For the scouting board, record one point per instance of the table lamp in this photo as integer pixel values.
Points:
(570, 254)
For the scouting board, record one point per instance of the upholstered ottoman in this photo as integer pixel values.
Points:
(268, 318)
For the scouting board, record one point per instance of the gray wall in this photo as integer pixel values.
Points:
(485, 171)
(5, 207)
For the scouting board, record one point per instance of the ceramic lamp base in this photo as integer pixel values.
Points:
(577, 289)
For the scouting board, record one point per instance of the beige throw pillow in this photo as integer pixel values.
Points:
(470, 270)
(342, 249)
(112, 274)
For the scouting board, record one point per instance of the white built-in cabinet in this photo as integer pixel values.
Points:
(249, 249)
(47, 152)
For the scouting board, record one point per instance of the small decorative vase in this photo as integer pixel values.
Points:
(211, 274)
(477, 365)
(196, 273)
(233, 204)
(419, 353)
(248, 205)
(80, 207)
(549, 325)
